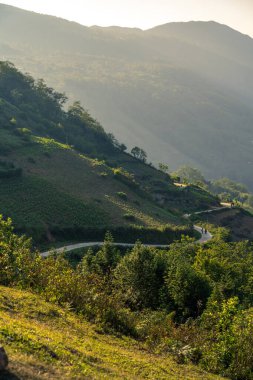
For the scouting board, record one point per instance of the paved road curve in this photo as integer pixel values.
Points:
(204, 239)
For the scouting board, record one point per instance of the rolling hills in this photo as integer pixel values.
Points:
(63, 177)
(181, 91)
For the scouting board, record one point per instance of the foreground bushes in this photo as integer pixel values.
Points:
(192, 301)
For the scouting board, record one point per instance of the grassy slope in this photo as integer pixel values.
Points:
(80, 191)
(179, 106)
(75, 193)
(47, 342)
(238, 221)
(86, 184)
(90, 180)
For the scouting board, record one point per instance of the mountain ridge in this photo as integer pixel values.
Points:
(185, 103)
(90, 184)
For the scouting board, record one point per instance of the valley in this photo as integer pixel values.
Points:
(126, 204)
(180, 91)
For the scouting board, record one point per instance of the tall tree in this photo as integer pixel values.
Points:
(139, 153)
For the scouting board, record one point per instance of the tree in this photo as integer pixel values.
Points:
(163, 167)
(191, 175)
(50, 93)
(17, 262)
(105, 260)
(116, 143)
(188, 288)
(139, 277)
(139, 153)
(123, 147)
(76, 110)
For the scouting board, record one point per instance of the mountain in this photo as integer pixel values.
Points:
(181, 91)
(62, 177)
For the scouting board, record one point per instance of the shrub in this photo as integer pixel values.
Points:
(122, 195)
(129, 217)
(228, 339)
(103, 174)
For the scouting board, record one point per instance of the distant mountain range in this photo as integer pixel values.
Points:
(181, 91)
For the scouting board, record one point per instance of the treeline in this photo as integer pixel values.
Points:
(192, 301)
(224, 188)
(29, 106)
(128, 234)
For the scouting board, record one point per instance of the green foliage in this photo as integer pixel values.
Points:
(81, 156)
(105, 260)
(34, 210)
(122, 195)
(139, 277)
(187, 174)
(229, 267)
(44, 340)
(139, 153)
(8, 170)
(229, 190)
(129, 217)
(228, 345)
(17, 263)
(163, 167)
(188, 289)
(145, 291)
(28, 104)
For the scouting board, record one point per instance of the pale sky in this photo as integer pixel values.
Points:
(145, 13)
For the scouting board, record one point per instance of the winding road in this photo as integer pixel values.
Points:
(205, 237)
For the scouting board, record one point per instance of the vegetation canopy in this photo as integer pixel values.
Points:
(192, 302)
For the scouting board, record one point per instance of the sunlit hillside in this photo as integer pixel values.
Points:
(182, 91)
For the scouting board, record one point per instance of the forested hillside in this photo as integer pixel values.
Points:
(63, 177)
(182, 91)
(79, 161)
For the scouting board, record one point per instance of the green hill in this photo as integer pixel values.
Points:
(181, 91)
(62, 177)
(44, 341)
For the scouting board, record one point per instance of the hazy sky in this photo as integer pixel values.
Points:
(145, 13)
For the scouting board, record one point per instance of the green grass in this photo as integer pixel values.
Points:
(35, 203)
(80, 176)
(62, 196)
(73, 177)
(44, 341)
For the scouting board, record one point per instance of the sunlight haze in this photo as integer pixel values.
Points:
(145, 14)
